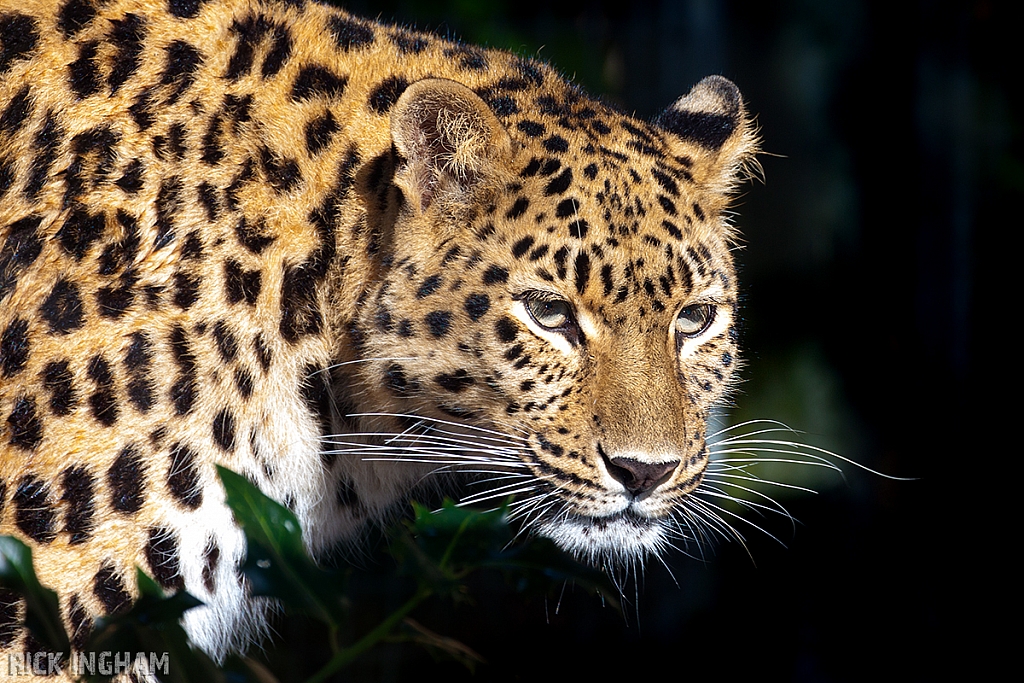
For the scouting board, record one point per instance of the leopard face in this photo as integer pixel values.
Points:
(339, 256)
(582, 307)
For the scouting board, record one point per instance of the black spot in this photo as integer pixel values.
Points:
(253, 236)
(62, 309)
(672, 229)
(208, 198)
(212, 151)
(16, 112)
(550, 166)
(438, 322)
(317, 81)
(211, 559)
(477, 306)
(168, 204)
(33, 512)
(176, 141)
(319, 132)
(531, 128)
(114, 302)
(243, 382)
(522, 246)
(566, 208)
(184, 9)
(102, 402)
(57, 379)
(469, 57)
(506, 330)
(137, 361)
(263, 353)
(18, 37)
(560, 259)
(349, 34)
(495, 275)
(514, 352)
(556, 144)
(21, 248)
(315, 388)
(667, 205)
(47, 140)
(429, 286)
(141, 110)
(606, 279)
(241, 284)
(518, 208)
(74, 15)
(183, 390)
(180, 69)
(224, 430)
(131, 181)
(383, 319)
(455, 382)
(227, 345)
(395, 380)
(79, 231)
(162, 556)
(14, 347)
(186, 289)
(502, 105)
(698, 212)
(300, 312)
(582, 271)
(384, 96)
(578, 228)
(559, 183)
(283, 174)
(127, 481)
(183, 476)
(84, 75)
(539, 252)
(108, 587)
(127, 34)
(666, 182)
(80, 622)
(590, 171)
(78, 487)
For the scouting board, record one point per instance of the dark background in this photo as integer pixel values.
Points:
(872, 261)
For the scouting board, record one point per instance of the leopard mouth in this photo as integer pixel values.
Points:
(618, 538)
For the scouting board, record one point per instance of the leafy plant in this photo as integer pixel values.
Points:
(434, 552)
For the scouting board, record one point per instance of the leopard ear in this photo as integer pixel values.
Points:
(449, 139)
(712, 124)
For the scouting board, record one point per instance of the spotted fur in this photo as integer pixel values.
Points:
(277, 237)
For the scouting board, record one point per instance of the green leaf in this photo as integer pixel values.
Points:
(276, 561)
(42, 609)
(441, 547)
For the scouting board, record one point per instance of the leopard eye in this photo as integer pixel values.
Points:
(550, 314)
(694, 320)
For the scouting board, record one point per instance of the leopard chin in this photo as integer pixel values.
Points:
(622, 538)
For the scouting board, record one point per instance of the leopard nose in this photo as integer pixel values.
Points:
(639, 477)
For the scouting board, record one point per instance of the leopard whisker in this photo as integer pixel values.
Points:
(470, 427)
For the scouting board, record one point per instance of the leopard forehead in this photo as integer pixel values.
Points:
(277, 237)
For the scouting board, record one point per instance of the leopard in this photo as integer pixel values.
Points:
(348, 260)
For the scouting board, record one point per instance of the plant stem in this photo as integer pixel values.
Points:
(346, 656)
